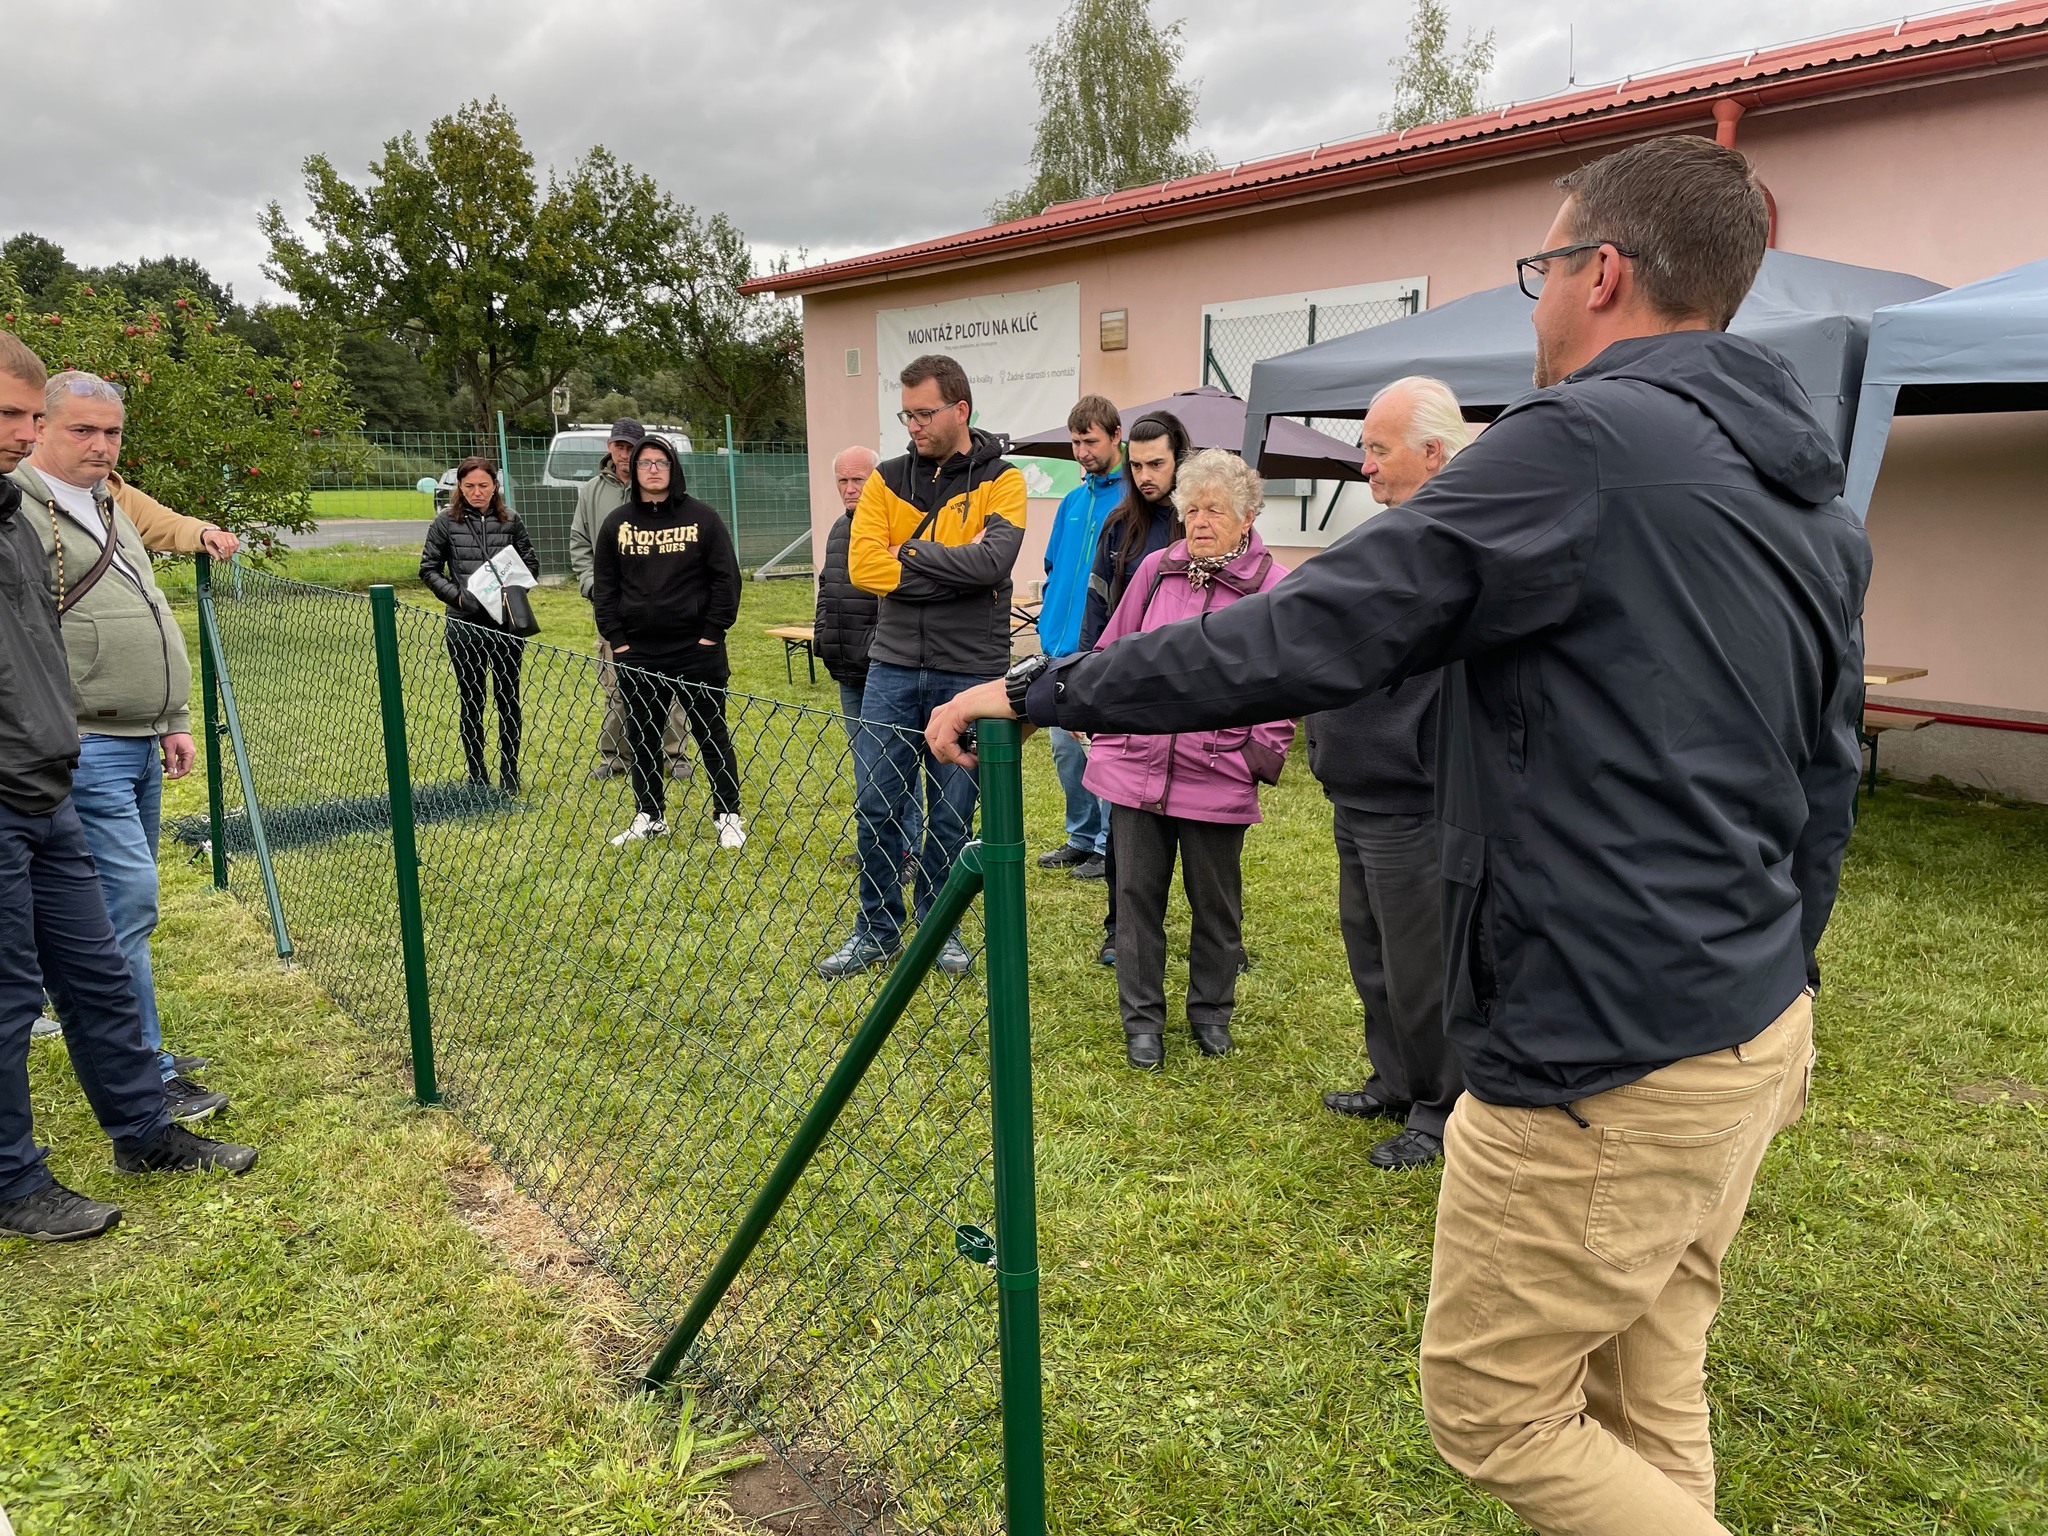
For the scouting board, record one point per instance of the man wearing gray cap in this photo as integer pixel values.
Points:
(598, 497)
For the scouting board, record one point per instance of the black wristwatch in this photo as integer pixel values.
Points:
(1018, 680)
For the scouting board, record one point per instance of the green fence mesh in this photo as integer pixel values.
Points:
(634, 1032)
(762, 490)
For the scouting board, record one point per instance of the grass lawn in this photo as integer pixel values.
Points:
(1232, 1296)
(395, 505)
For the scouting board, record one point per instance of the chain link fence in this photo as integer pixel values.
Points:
(638, 1032)
(761, 490)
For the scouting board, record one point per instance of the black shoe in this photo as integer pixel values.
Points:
(1407, 1149)
(1145, 1052)
(1360, 1105)
(1094, 867)
(54, 1214)
(191, 1100)
(1066, 856)
(1214, 1039)
(185, 1066)
(1107, 954)
(509, 782)
(608, 771)
(180, 1151)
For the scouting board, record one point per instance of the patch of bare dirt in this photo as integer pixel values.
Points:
(610, 1331)
(2000, 1090)
(770, 1497)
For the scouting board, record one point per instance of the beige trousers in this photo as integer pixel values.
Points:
(1577, 1271)
(611, 736)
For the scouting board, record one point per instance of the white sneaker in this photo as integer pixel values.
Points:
(732, 831)
(644, 826)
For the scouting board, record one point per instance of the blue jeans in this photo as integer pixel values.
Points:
(54, 933)
(1087, 816)
(911, 832)
(119, 792)
(886, 783)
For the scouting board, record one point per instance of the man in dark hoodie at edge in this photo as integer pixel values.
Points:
(665, 586)
(1649, 596)
(934, 536)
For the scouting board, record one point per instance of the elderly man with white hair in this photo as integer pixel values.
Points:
(1376, 760)
(128, 667)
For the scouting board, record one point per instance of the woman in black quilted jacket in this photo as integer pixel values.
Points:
(485, 655)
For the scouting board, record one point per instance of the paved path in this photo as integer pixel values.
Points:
(360, 530)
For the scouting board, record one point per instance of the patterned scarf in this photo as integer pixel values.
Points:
(1204, 568)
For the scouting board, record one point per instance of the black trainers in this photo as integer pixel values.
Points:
(1066, 856)
(1407, 1149)
(1094, 867)
(1107, 954)
(953, 957)
(180, 1151)
(191, 1100)
(186, 1066)
(54, 1214)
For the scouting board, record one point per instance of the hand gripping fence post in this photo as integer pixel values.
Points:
(213, 662)
(995, 863)
(216, 798)
(412, 935)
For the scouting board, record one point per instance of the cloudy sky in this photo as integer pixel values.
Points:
(835, 128)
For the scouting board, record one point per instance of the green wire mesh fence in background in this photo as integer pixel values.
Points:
(761, 490)
(641, 1035)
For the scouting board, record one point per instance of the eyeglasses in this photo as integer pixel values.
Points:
(656, 463)
(88, 386)
(924, 417)
(1531, 270)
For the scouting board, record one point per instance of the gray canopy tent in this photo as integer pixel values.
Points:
(1980, 347)
(1816, 313)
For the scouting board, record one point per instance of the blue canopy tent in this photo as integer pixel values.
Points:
(1980, 347)
(1816, 313)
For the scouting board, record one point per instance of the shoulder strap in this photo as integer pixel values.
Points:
(70, 598)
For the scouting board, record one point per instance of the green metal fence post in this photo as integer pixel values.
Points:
(216, 795)
(504, 466)
(412, 932)
(214, 659)
(732, 483)
(1009, 1048)
(958, 893)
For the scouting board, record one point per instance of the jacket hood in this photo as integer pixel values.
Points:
(678, 485)
(1748, 391)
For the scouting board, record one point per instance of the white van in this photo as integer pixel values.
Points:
(578, 450)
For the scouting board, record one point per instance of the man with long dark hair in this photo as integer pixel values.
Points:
(1143, 522)
(1649, 592)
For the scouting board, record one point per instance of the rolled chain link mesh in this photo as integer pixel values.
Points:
(1236, 342)
(636, 1031)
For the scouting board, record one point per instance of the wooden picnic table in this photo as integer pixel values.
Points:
(1878, 676)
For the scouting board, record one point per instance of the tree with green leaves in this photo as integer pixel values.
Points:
(504, 284)
(1433, 82)
(1113, 110)
(718, 353)
(215, 429)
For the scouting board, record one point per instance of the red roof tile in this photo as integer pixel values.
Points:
(1951, 42)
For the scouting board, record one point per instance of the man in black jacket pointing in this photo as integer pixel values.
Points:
(1649, 596)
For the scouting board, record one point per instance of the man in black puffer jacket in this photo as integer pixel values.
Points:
(844, 628)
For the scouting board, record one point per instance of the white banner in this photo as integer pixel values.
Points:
(1022, 353)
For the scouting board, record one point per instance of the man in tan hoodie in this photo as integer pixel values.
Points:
(128, 665)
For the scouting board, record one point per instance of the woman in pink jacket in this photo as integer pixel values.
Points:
(1193, 793)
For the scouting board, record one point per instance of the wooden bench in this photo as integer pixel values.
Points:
(794, 638)
(1876, 722)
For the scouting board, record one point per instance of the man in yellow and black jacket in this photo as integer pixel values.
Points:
(934, 536)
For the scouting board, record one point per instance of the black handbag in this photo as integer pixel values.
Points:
(519, 619)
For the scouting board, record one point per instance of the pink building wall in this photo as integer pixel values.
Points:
(1945, 180)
